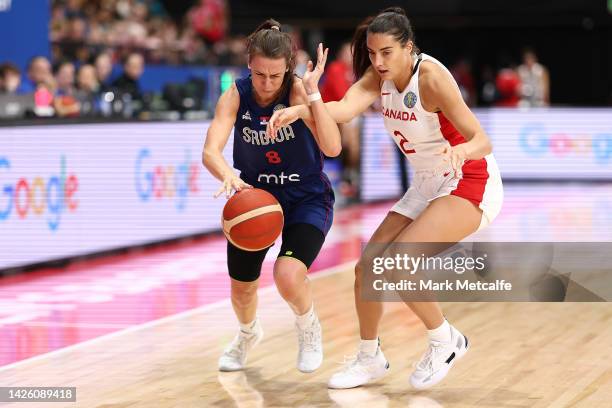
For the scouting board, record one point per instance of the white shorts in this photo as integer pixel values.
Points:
(480, 184)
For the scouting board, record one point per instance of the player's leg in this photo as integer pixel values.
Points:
(301, 245)
(370, 312)
(370, 363)
(446, 219)
(244, 269)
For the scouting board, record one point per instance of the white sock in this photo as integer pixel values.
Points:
(368, 347)
(307, 319)
(248, 327)
(441, 334)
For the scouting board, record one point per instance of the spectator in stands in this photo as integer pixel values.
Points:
(39, 74)
(127, 83)
(104, 67)
(10, 78)
(87, 82)
(74, 8)
(64, 78)
(508, 84)
(339, 78)
(65, 102)
(209, 18)
(88, 90)
(535, 84)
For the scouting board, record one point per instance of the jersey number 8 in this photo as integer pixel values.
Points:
(273, 157)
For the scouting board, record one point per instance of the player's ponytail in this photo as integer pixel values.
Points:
(392, 21)
(269, 41)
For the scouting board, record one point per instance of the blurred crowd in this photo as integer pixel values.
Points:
(82, 29)
(523, 85)
(65, 90)
(91, 38)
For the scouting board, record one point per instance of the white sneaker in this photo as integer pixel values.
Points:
(310, 354)
(438, 360)
(235, 355)
(359, 371)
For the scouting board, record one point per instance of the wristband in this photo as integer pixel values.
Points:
(314, 97)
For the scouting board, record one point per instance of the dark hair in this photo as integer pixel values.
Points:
(269, 41)
(56, 68)
(8, 67)
(392, 21)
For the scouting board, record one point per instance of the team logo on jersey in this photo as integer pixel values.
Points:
(410, 99)
(278, 178)
(263, 120)
(279, 107)
(247, 115)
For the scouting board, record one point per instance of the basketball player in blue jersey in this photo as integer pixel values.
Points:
(289, 166)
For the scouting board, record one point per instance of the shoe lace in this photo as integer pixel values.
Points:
(431, 356)
(351, 364)
(308, 338)
(238, 346)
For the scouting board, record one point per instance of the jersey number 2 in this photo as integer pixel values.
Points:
(403, 143)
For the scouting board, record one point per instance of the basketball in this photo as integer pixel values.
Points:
(252, 219)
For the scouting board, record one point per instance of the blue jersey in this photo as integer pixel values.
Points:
(291, 158)
(290, 166)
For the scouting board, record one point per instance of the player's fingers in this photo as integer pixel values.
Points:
(325, 57)
(271, 128)
(219, 191)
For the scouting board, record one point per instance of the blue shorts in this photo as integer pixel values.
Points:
(309, 202)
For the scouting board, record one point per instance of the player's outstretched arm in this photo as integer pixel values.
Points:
(356, 100)
(216, 139)
(323, 126)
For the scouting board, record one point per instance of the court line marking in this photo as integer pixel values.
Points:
(187, 313)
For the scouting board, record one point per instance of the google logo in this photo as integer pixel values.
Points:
(39, 196)
(534, 140)
(169, 181)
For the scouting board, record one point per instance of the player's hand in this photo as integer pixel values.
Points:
(230, 183)
(312, 75)
(456, 156)
(280, 119)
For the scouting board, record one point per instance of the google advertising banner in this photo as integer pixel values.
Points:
(537, 144)
(552, 143)
(78, 189)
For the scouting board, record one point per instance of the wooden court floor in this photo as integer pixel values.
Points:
(522, 355)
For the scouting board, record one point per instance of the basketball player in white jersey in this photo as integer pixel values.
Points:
(456, 188)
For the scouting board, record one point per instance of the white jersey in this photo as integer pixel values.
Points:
(420, 135)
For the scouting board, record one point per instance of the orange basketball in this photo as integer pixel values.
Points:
(252, 219)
